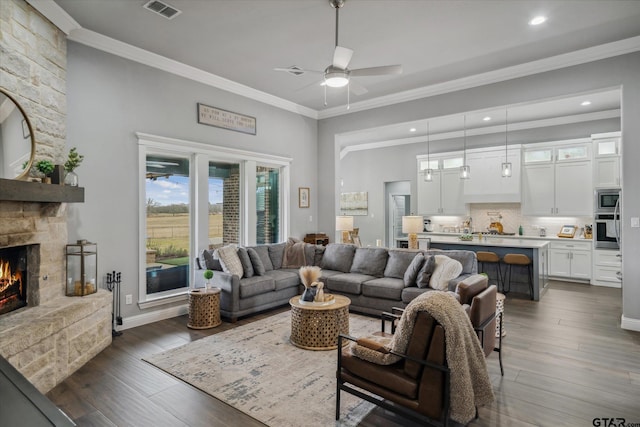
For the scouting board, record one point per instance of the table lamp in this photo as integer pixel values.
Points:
(412, 225)
(345, 224)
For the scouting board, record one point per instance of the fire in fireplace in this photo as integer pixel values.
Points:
(13, 278)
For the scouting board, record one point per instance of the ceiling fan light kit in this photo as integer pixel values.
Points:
(338, 74)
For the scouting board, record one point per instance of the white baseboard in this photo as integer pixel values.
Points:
(607, 284)
(630, 324)
(154, 316)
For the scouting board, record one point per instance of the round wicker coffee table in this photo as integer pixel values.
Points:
(316, 327)
(204, 308)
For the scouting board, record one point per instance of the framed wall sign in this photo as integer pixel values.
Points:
(224, 119)
(303, 197)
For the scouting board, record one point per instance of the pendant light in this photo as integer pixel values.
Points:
(465, 169)
(506, 166)
(428, 172)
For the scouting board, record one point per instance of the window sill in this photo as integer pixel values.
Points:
(162, 300)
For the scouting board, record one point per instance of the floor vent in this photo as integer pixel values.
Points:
(162, 8)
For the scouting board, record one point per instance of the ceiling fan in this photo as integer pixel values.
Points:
(338, 73)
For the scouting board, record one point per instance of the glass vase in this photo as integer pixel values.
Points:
(71, 178)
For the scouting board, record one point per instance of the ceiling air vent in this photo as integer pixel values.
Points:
(163, 9)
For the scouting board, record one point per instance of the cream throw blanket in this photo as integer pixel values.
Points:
(470, 384)
(294, 254)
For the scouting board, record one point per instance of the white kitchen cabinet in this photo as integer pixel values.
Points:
(487, 185)
(571, 259)
(607, 263)
(555, 180)
(606, 162)
(444, 194)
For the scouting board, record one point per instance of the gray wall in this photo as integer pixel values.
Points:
(621, 71)
(109, 98)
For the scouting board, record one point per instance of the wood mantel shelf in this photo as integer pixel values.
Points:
(25, 191)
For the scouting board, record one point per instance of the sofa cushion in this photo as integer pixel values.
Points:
(425, 273)
(276, 253)
(384, 287)
(338, 256)
(263, 253)
(229, 260)
(370, 261)
(446, 269)
(398, 262)
(319, 253)
(208, 262)
(411, 275)
(309, 253)
(466, 258)
(288, 278)
(256, 262)
(350, 283)
(325, 274)
(256, 285)
(410, 293)
(245, 260)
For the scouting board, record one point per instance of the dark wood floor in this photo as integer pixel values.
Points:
(566, 362)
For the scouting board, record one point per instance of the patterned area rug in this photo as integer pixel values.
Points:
(255, 369)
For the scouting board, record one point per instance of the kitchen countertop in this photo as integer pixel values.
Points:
(502, 236)
(496, 241)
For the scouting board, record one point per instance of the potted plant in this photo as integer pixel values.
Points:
(45, 167)
(208, 275)
(73, 161)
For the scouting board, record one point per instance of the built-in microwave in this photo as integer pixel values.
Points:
(606, 200)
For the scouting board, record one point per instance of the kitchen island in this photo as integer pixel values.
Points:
(537, 250)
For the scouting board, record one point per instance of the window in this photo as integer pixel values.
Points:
(224, 204)
(195, 196)
(167, 223)
(454, 162)
(539, 155)
(267, 205)
(431, 164)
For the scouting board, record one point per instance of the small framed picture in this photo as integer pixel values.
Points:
(303, 197)
(356, 241)
(568, 231)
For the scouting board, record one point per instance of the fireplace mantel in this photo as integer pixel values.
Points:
(25, 191)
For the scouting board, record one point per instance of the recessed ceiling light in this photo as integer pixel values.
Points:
(585, 103)
(412, 130)
(538, 20)
(486, 119)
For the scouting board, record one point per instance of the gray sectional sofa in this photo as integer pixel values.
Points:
(373, 278)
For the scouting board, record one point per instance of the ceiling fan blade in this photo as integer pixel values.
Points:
(341, 57)
(297, 71)
(377, 71)
(356, 88)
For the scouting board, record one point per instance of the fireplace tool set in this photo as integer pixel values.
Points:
(113, 284)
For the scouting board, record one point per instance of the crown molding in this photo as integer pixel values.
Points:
(57, 15)
(577, 57)
(532, 124)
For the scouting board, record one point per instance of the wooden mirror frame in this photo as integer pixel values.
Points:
(25, 173)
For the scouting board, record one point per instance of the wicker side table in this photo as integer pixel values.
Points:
(204, 308)
(317, 327)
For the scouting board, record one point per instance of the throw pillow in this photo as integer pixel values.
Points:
(208, 262)
(263, 253)
(425, 273)
(446, 269)
(338, 257)
(370, 261)
(399, 261)
(256, 262)
(245, 260)
(276, 254)
(412, 271)
(230, 261)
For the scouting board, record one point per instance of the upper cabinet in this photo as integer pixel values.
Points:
(487, 185)
(443, 195)
(606, 159)
(556, 177)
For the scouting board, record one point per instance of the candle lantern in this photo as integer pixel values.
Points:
(82, 268)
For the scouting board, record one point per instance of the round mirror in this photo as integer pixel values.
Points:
(17, 142)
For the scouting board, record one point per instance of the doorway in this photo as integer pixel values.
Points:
(398, 204)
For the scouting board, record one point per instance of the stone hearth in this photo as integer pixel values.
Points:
(54, 335)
